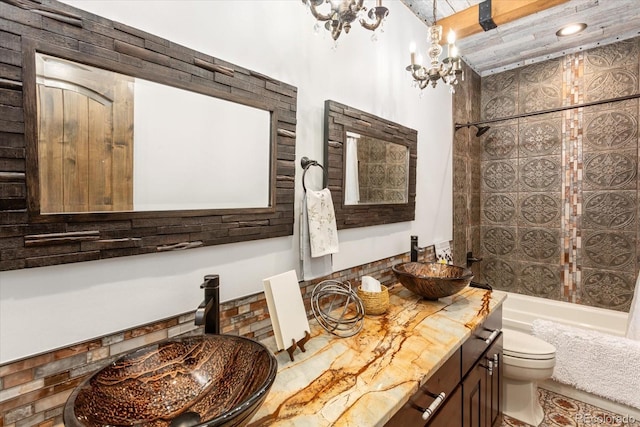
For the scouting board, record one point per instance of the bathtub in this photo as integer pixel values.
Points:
(519, 311)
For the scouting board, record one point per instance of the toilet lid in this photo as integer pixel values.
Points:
(525, 346)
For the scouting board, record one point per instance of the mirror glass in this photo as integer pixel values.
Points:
(112, 142)
(376, 171)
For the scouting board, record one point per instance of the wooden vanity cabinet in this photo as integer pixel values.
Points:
(471, 380)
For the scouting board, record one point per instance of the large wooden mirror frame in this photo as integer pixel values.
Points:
(30, 239)
(341, 119)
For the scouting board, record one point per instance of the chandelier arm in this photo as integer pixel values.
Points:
(423, 83)
(416, 76)
(372, 26)
(317, 14)
(446, 70)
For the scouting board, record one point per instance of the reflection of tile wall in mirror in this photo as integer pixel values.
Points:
(382, 171)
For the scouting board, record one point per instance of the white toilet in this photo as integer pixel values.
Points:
(526, 360)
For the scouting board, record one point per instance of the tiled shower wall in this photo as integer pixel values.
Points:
(559, 191)
(467, 151)
(33, 390)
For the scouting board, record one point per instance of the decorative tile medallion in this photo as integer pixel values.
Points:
(499, 208)
(499, 176)
(610, 170)
(540, 280)
(500, 106)
(610, 209)
(613, 129)
(540, 174)
(542, 73)
(502, 82)
(499, 241)
(500, 143)
(608, 289)
(500, 275)
(539, 244)
(610, 84)
(538, 209)
(609, 250)
(541, 138)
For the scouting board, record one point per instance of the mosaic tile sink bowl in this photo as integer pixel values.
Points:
(432, 280)
(206, 380)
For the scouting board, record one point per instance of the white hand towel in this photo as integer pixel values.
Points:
(633, 323)
(323, 232)
(311, 267)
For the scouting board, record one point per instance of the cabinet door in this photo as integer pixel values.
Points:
(482, 389)
(474, 397)
(494, 383)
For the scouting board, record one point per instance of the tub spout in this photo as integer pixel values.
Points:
(208, 312)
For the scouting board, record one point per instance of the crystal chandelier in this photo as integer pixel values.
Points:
(341, 13)
(448, 70)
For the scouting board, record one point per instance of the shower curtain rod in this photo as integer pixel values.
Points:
(550, 110)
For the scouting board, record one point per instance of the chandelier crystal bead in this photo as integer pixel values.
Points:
(340, 14)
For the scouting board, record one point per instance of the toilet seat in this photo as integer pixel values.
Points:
(528, 363)
(518, 345)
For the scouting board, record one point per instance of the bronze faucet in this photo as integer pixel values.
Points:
(208, 312)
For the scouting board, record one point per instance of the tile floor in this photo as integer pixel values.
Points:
(563, 411)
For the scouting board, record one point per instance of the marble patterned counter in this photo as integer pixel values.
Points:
(363, 380)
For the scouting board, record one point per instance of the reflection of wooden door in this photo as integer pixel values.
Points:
(85, 138)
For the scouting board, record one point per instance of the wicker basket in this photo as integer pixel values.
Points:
(374, 302)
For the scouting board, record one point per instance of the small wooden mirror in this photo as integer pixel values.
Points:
(371, 167)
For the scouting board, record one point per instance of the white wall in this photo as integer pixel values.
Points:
(49, 307)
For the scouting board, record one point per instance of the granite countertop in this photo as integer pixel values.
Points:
(365, 379)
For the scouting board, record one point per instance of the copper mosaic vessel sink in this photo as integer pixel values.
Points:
(206, 380)
(432, 280)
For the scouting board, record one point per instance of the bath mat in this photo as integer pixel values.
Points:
(601, 364)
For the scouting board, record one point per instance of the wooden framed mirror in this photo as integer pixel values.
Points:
(371, 165)
(31, 236)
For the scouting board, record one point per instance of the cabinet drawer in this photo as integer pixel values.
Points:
(450, 414)
(444, 380)
(477, 344)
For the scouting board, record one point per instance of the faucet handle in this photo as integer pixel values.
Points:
(210, 281)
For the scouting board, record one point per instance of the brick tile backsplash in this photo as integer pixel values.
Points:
(33, 391)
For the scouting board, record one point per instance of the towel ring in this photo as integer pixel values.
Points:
(306, 163)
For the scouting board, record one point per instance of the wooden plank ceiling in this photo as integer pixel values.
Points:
(531, 38)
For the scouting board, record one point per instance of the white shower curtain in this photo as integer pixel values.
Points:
(351, 184)
(633, 323)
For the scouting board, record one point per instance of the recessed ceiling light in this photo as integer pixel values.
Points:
(571, 29)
